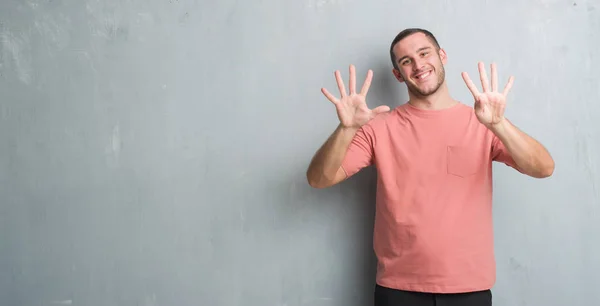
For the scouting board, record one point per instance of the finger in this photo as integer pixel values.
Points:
(477, 105)
(484, 79)
(480, 102)
(494, 78)
(367, 84)
(329, 96)
(470, 84)
(381, 109)
(352, 80)
(340, 83)
(508, 86)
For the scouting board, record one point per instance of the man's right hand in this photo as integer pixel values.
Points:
(352, 108)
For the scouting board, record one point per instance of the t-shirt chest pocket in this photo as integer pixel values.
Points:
(464, 161)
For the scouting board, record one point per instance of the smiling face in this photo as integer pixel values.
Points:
(419, 64)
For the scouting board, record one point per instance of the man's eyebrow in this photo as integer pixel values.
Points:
(420, 49)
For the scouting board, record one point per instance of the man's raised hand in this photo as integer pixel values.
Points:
(489, 104)
(351, 107)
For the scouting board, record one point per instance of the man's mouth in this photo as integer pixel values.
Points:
(423, 75)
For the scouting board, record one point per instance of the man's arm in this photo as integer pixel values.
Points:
(530, 156)
(325, 168)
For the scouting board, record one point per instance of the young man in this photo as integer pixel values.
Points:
(433, 225)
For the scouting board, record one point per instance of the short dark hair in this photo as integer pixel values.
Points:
(406, 32)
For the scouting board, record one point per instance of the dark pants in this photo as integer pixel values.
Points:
(393, 297)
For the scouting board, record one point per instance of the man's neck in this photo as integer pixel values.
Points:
(441, 99)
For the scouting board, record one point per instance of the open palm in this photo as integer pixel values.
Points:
(490, 104)
(351, 107)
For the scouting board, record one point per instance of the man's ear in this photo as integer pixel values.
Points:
(397, 75)
(443, 56)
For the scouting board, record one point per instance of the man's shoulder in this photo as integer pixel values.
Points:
(463, 109)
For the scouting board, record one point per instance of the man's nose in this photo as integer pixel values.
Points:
(418, 64)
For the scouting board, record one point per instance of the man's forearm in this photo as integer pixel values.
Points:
(328, 159)
(529, 155)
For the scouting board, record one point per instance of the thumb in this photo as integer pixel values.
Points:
(479, 105)
(381, 109)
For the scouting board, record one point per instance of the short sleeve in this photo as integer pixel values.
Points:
(501, 154)
(360, 152)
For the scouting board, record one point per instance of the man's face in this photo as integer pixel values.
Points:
(420, 64)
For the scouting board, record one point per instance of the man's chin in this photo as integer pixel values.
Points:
(424, 92)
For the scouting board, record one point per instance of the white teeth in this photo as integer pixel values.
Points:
(423, 75)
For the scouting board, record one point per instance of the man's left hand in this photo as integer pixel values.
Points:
(489, 104)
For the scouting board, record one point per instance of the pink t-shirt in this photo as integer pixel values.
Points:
(433, 223)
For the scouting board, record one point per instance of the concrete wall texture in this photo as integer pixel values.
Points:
(154, 151)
